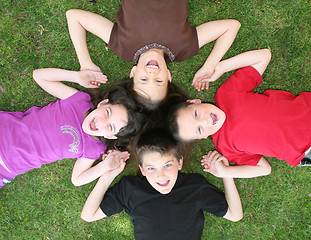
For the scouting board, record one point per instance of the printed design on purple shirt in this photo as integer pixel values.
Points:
(74, 147)
(3, 165)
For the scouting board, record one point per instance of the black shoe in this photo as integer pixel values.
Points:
(304, 162)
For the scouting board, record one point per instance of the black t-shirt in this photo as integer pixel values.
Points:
(177, 215)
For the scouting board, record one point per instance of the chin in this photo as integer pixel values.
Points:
(165, 191)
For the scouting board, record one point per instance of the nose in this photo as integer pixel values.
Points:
(203, 120)
(103, 124)
(161, 175)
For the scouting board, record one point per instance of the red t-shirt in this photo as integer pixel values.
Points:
(274, 124)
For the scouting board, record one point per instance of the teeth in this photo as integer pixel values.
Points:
(163, 183)
(153, 66)
(93, 125)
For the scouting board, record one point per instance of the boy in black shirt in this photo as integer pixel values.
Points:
(164, 204)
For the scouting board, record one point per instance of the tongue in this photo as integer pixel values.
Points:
(214, 118)
(93, 126)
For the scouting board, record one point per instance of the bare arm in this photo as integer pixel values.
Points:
(235, 210)
(224, 32)
(80, 21)
(219, 169)
(84, 172)
(50, 79)
(91, 210)
(259, 59)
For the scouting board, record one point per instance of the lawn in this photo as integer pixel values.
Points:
(43, 204)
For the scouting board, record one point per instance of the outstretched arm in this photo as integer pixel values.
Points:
(235, 210)
(224, 32)
(84, 172)
(213, 163)
(259, 59)
(91, 210)
(80, 21)
(50, 79)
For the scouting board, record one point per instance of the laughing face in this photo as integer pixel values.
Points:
(151, 75)
(161, 171)
(106, 120)
(199, 120)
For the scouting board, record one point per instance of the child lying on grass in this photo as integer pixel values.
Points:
(149, 33)
(164, 204)
(75, 126)
(246, 125)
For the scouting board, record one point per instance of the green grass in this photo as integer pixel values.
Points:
(43, 204)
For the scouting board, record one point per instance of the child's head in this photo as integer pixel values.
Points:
(113, 115)
(146, 103)
(159, 158)
(151, 75)
(194, 120)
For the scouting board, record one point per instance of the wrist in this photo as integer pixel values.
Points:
(210, 64)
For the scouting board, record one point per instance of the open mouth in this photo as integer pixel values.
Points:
(164, 184)
(214, 118)
(93, 125)
(153, 64)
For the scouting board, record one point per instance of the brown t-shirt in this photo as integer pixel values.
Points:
(144, 22)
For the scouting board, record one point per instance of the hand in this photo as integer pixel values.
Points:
(115, 161)
(217, 74)
(215, 163)
(202, 74)
(91, 79)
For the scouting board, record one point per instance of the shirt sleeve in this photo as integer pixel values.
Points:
(115, 199)
(214, 200)
(243, 80)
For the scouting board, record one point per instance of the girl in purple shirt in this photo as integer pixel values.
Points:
(75, 126)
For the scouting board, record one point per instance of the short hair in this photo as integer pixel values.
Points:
(157, 140)
(118, 95)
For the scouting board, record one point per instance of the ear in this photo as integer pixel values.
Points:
(180, 163)
(133, 71)
(105, 101)
(141, 170)
(169, 76)
(194, 100)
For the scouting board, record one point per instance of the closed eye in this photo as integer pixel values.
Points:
(108, 111)
(199, 130)
(159, 81)
(195, 113)
(111, 128)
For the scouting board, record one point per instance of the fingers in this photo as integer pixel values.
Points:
(211, 158)
(200, 84)
(100, 77)
(124, 156)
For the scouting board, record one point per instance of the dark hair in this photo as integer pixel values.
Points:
(157, 140)
(148, 104)
(119, 95)
(172, 118)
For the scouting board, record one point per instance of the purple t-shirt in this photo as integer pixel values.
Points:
(43, 135)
